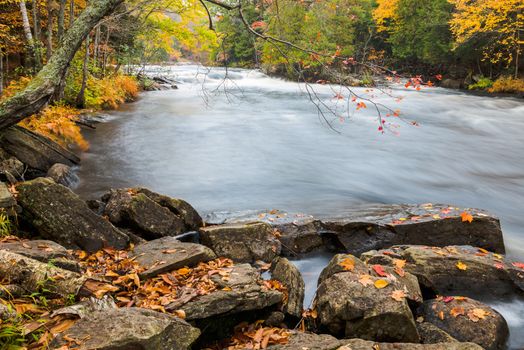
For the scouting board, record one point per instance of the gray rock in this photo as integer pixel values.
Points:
(34, 150)
(130, 328)
(149, 214)
(309, 341)
(242, 242)
(168, 254)
(6, 198)
(490, 330)
(436, 269)
(60, 215)
(242, 293)
(86, 307)
(44, 251)
(349, 306)
(359, 344)
(335, 267)
(380, 226)
(12, 169)
(62, 174)
(7, 313)
(431, 334)
(285, 272)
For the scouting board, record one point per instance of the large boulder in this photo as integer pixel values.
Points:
(242, 242)
(60, 215)
(455, 270)
(129, 328)
(239, 292)
(364, 305)
(167, 254)
(359, 344)
(44, 251)
(467, 320)
(149, 214)
(376, 227)
(298, 233)
(431, 334)
(36, 151)
(286, 273)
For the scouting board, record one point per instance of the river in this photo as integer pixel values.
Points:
(254, 142)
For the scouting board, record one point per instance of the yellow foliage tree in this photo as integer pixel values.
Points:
(497, 22)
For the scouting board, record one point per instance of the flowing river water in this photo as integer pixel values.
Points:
(236, 140)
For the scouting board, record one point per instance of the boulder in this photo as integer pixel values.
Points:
(431, 334)
(467, 320)
(334, 267)
(167, 254)
(62, 174)
(359, 344)
(298, 233)
(60, 215)
(286, 273)
(354, 304)
(44, 251)
(11, 169)
(455, 270)
(242, 242)
(308, 341)
(149, 214)
(238, 293)
(452, 83)
(129, 328)
(7, 201)
(36, 151)
(380, 226)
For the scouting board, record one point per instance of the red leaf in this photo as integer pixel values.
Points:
(519, 265)
(380, 270)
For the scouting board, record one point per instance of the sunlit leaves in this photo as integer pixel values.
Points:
(461, 266)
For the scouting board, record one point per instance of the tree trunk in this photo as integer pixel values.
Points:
(104, 59)
(71, 12)
(43, 87)
(37, 40)
(95, 46)
(80, 98)
(61, 16)
(1, 72)
(49, 42)
(25, 23)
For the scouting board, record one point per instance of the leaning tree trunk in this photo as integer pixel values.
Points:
(44, 86)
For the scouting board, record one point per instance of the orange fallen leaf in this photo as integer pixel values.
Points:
(477, 314)
(398, 295)
(365, 280)
(466, 217)
(456, 311)
(461, 266)
(348, 264)
(441, 315)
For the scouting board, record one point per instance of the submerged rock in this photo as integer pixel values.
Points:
(242, 242)
(356, 304)
(455, 270)
(286, 273)
(149, 214)
(167, 254)
(468, 320)
(381, 226)
(60, 215)
(129, 328)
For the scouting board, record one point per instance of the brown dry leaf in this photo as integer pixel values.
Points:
(477, 314)
(348, 264)
(169, 251)
(441, 315)
(365, 280)
(62, 326)
(399, 263)
(184, 271)
(398, 295)
(457, 311)
(180, 314)
(379, 284)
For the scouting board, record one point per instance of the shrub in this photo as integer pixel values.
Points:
(58, 124)
(508, 84)
(482, 84)
(15, 86)
(110, 92)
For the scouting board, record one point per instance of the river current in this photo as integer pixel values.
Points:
(237, 140)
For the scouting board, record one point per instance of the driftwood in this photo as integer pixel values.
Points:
(35, 276)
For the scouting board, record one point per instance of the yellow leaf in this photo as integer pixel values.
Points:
(348, 264)
(183, 271)
(466, 217)
(461, 266)
(379, 284)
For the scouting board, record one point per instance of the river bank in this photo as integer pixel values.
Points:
(147, 220)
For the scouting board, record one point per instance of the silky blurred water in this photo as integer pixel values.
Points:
(254, 142)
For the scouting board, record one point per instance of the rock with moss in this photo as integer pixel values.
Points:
(288, 274)
(62, 174)
(129, 328)
(359, 344)
(56, 213)
(242, 242)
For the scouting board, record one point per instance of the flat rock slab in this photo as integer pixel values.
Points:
(380, 226)
(359, 344)
(242, 242)
(298, 233)
(467, 320)
(60, 215)
(360, 303)
(129, 328)
(308, 341)
(44, 251)
(167, 254)
(455, 270)
(238, 292)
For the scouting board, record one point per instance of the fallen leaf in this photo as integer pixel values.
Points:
(379, 284)
(448, 299)
(499, 265)
(456, 311)
(461, 266)
(365, 280)
(518, 264)
(441, 315)
(477, 314)
(380, 270)
(398, 295)
(466, 217)
(348, 264)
